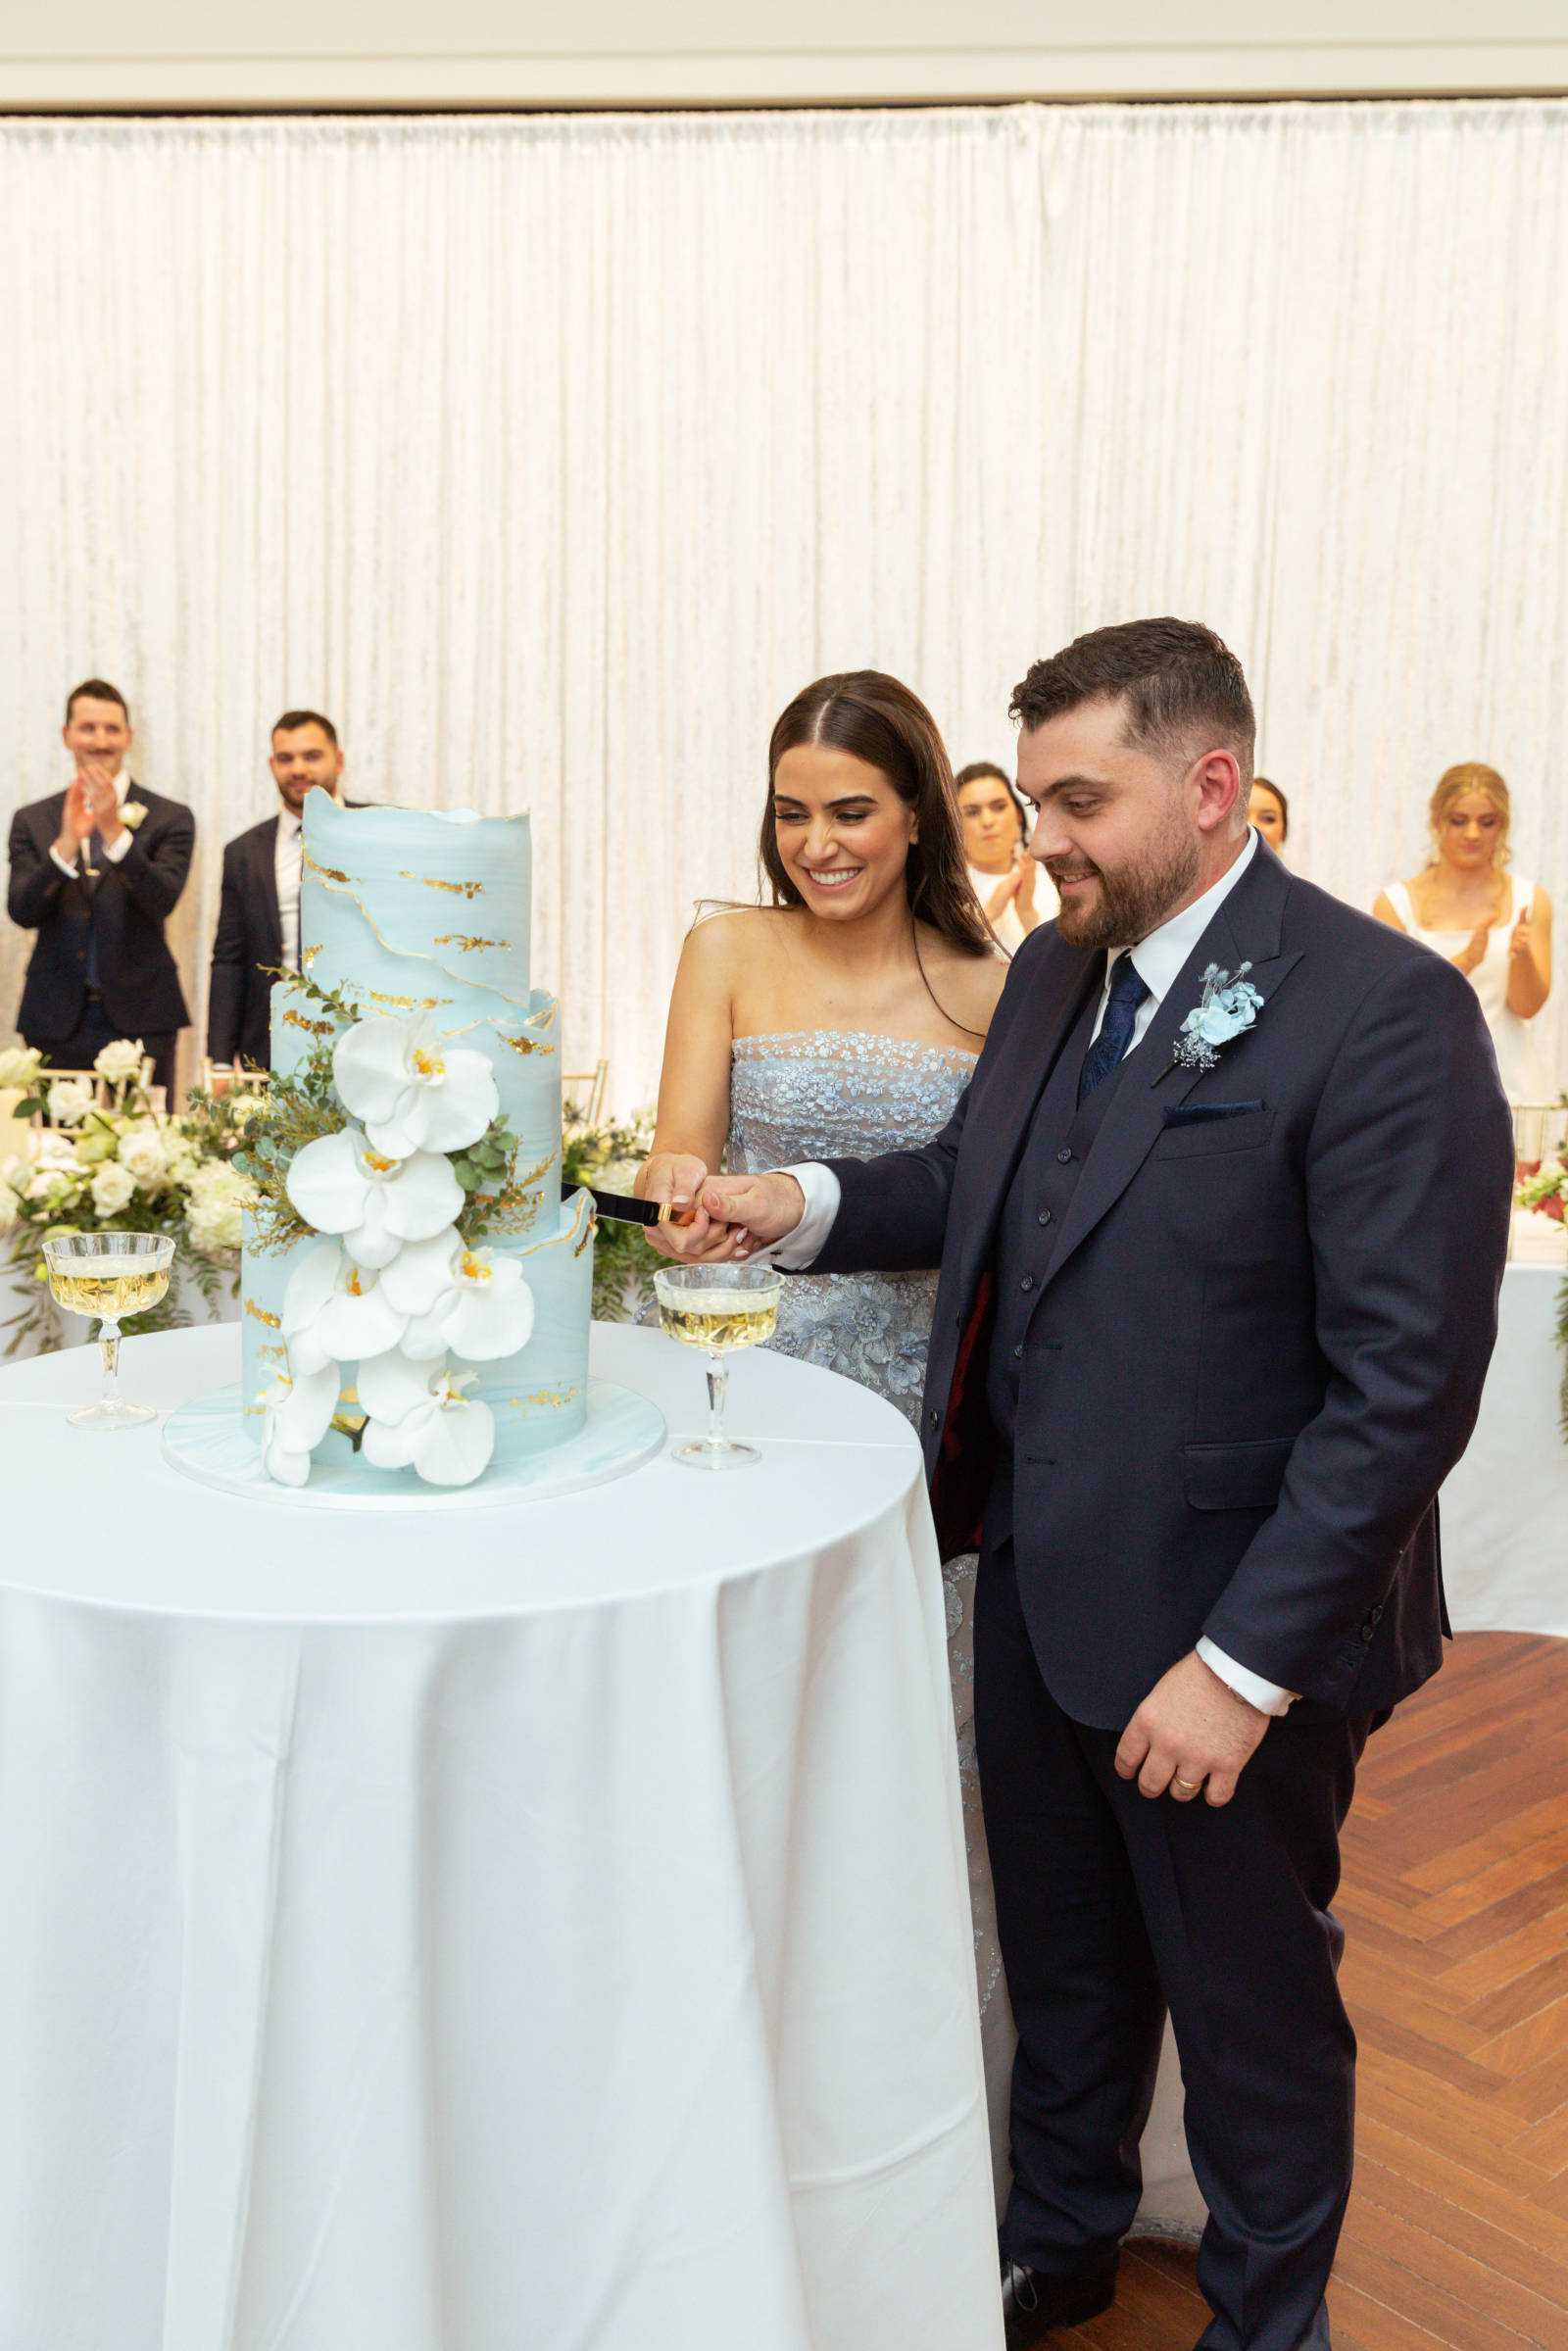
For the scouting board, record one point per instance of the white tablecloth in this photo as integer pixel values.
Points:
(1505, 1507)
(524, 1929)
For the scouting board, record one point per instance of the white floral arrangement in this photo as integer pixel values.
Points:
(105, 1159)
(387, 1148)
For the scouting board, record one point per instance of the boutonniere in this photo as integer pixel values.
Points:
(1227, 1007)
(131, 813)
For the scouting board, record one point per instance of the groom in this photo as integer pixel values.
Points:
(1217, 1305)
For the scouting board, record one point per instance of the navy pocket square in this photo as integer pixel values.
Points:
(1192, 1114)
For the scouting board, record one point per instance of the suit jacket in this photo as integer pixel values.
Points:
(1261, 1344)
(124, 911)
(246, 947)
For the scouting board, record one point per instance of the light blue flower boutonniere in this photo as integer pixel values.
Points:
(1228, 1007)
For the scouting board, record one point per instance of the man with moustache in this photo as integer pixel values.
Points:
(96, 870)
(1221, 1221)
(259, 916)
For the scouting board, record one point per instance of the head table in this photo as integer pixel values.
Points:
(533, 1924)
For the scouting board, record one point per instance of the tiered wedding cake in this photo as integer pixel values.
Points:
(416, 1296)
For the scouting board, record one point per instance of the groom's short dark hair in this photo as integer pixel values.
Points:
(1176, 678)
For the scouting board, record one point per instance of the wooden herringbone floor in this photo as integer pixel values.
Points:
(1455, 1905)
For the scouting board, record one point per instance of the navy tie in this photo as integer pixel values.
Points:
(1127, 992)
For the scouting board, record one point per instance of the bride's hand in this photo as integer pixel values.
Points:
(691, 1236)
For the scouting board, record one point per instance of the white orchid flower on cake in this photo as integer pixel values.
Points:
(468, 1300)
(344, 1184)
(420, 1418)
(335, 1311)
(298, 1406)
(410, 1089)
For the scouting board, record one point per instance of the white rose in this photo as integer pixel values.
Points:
(52, 1149)
(217, 1197)
(18, 1066)
(180, 1161)
(122, 1059)
(113, 1188)
(68, 1101)
(142, 1153)
(51, 1187)
(10, 1207)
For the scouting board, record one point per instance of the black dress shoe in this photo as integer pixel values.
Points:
(1034, 2304)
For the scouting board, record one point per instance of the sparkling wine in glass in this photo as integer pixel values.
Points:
(109, 1275)
(718, 1309)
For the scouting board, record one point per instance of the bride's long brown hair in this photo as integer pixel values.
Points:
(875, 718)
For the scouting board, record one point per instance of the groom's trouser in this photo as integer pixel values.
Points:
(1111, 1907)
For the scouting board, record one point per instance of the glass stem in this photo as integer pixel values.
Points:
(717, 1391)
(108, 1356)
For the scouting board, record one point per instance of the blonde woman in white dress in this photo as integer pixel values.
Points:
(1492, 924)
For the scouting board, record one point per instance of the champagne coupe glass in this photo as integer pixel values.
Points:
(111, 1275)
(718, 1309)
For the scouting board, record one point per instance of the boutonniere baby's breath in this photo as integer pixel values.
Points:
(1228, 1007)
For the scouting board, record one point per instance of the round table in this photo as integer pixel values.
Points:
(540, 1925)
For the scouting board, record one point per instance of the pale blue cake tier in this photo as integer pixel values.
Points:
(539, 1396)
(403, 911)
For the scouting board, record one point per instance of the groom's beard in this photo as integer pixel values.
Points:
(1124, 907)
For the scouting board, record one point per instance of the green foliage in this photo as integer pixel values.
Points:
(608, 1155)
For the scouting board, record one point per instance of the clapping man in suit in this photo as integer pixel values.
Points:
(259, 917)
(1221, 1221)
(96, 870)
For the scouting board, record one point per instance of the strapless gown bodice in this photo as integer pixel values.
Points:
(833, 1094)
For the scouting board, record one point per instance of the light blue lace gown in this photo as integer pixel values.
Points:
(820, 1094)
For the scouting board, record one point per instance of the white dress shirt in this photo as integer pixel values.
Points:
(1158, 960)
(114, 850)
(288, 865)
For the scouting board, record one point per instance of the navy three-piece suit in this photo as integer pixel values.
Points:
(1206, 1344)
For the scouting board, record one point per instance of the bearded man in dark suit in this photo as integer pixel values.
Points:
(96, 870)
(1221, 1221)
(259, 916)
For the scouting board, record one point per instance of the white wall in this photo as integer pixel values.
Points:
(492, 53)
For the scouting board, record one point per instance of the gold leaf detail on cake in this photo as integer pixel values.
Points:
(313, 1028)
(466, 945)
(406, 1004)
(308, 956)
(273, 1322)
(346, 1423)
(589, 1230)
(552, 1399)
(524, 1045)
(329, 873)
(268, 1353)
(431, 881)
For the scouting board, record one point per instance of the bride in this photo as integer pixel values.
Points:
(844, 1021)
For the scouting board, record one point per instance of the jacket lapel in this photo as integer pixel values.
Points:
(267, 892)
(1245, 929)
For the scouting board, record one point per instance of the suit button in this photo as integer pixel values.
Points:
(1028, 1282)
(1018, 1352)
(935, 1418)
(1369, 1632)
(1043, 1216)
(1063, 1156)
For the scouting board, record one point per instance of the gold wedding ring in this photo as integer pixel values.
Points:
(1178, 1782)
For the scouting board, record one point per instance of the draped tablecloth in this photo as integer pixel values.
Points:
(1505, 1506)
(523, 1928)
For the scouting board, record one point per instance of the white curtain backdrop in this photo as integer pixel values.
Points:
(550, 456)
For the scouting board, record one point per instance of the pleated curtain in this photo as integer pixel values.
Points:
(550, 456)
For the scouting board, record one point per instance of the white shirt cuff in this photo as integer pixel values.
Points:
(795, 1253)
(70, 871)
(1267, 1697)
(120, 847)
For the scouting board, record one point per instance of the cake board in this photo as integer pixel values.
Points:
(207, 1439)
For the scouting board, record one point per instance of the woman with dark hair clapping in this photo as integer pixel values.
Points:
(995, 841)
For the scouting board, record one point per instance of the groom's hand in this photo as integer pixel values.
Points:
(1191, 1732)
(760, 1208)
